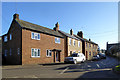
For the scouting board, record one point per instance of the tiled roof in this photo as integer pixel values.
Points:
(28, 25)
(78, 37)
(68, 35)
(85, 40)
(89, 41)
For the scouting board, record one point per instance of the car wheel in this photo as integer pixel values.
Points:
(65, 62)
(75, 61)
(83, 60)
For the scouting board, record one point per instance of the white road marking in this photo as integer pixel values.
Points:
(103, 63)
(98, 66)
(64, 70)
(89, 66)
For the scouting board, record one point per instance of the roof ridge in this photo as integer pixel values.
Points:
(37, 27)
(36, 24)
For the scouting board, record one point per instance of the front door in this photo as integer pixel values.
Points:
(57, 56)
(86, 55)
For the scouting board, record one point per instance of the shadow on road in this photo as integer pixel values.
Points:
(100, 74)
(51, 64)
(101, 64)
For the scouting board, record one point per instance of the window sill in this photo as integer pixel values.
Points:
(35, 57)
(57, 43)
(48, 56)
(34, 39)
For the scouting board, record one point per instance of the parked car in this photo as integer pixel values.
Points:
(75, 58)
(97, 57)
(102, 55)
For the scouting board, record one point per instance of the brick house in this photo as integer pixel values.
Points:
(28, 43)
(89, 48)
(72, 43)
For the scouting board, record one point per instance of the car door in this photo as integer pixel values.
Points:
(79, 57)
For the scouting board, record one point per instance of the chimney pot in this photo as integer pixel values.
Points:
(80, 34)
(89, 39)
(56, 28)
(16, 16)
(71, 32)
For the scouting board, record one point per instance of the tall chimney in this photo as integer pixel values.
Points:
(89, 39)
(56, 28)
(80, 34)
(71, 32)
(16, 16)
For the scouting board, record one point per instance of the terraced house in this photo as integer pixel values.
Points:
(72, 43)
(89, 48)
(28, 43)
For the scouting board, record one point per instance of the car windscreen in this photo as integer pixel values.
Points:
(74, 55)
(94, 56)
(102, 54)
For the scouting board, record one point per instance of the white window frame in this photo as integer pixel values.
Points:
(18, 51)
(57, 40)
(10, 36)
(5, 38)
(34, 52)
(35, 36)
(78, 43)
(5, 54)
(70, 41)
(48, 53)
(73, 42)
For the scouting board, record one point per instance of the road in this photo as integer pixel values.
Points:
(88, 69)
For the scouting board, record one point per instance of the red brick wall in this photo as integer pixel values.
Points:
(45, 42)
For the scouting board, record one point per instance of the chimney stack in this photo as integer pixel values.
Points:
(56, 28)
(16, 16)
(89, 39)
(80, 34)
(71, 32)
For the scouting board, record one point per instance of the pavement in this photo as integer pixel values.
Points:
(88, 69)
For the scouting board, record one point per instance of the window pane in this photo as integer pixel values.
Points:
(50, 53)
(32, 35)
(32, 52)
(10, 36)
(38, 36)
(5, 38)
(5, 53)
(18, 50)
(38, 52)
(56, 40)
(35, 52)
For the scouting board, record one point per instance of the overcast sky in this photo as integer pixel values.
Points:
(97, 20)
